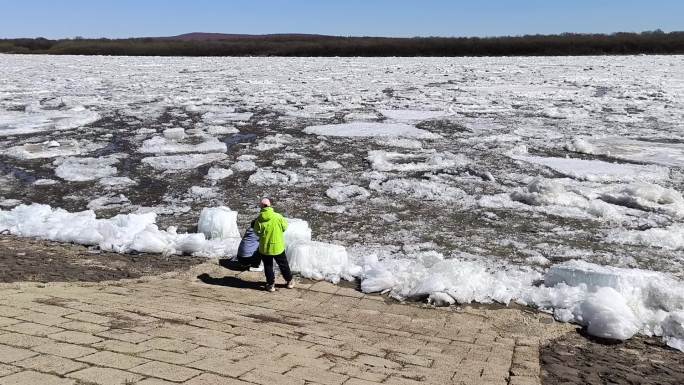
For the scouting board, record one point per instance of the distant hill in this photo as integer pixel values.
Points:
(209, 36)
(293, 44)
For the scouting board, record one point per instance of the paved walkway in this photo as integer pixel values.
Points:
(223, 330)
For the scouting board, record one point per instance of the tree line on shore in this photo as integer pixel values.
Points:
(650, 42)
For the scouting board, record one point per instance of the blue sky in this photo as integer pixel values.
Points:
(133, 18)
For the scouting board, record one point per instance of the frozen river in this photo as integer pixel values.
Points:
(507, 165)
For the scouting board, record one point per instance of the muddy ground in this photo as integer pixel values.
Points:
(23, 259)
(576, 359)
(572, 359)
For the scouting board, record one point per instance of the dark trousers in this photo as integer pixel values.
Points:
(253, 261)
(284, 267)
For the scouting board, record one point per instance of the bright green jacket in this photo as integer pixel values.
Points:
(270, 226)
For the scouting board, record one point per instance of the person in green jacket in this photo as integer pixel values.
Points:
(271, 226)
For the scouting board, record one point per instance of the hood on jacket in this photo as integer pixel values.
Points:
(266, 214)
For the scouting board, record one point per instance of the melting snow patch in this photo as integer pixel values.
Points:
(359, 129)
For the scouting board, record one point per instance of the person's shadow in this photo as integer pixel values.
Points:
(230, 282)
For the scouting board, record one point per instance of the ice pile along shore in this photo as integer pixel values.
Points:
(611, 302)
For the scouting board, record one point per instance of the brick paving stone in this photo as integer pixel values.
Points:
(22, 340)
(211, 334)
(170, 357)
(104, 376)
(227, 355)
(166, 371)
(9, 354)
(124, 335)
(32, 329)
(212, 379)
(263, 376)
(4, 321)
(51, 364)
(376, 361)
(64, 350)
(155, 381)
(113, 360)
(324, 287)
(223, 367)
(7, 370)
(363, 372)
(42, 318)
(75, 337)
(317, 375)
(58, 310)
(121, 347)
(10, 311)
(402, 381)
(318, 340)
(35, 378)
(85, 327)
(349, 292)
(169, 344)
(356, 381)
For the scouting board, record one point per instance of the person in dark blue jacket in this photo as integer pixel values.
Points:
(248, 251)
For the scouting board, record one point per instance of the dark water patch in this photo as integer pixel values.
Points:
(236, 139)
(601, 91)
(18, 173)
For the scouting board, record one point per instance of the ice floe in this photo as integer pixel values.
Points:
(52, 149)
(600, 171)
(657, 152)
(85, 169)
(427, 161)
(182, 162)
(34, 120)
(163, 145)
(364, 129)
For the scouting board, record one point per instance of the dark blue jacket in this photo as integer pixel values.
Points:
(249, 244)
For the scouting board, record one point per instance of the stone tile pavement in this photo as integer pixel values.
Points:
(178, 329)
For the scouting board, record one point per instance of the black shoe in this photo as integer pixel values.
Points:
(233, 265)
